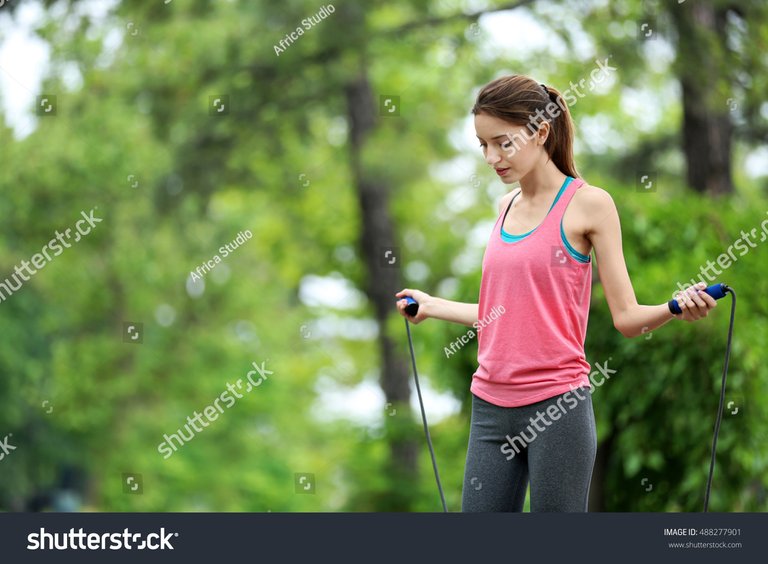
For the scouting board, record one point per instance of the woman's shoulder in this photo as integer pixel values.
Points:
(592, 198)
(592, 206)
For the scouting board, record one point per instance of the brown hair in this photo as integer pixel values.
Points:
(516, 99)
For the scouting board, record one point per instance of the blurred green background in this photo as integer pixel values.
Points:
(349, 154)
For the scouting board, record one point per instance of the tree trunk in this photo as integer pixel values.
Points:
(376, 237)
(702, 68)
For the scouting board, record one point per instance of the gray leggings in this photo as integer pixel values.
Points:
(510, 445)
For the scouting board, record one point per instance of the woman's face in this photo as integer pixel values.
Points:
(512, 150)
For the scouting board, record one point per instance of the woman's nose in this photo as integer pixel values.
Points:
(492, 157)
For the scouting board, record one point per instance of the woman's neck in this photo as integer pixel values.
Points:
(542, 182)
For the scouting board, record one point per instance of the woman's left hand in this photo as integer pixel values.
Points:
(695, 303)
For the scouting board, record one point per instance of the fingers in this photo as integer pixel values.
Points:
(691, 311)
(684, 300)
(401, 302)
(695, 297)
(695, 303)
(419, 296)
(709, 300)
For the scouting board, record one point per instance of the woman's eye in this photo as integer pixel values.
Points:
(506, 145)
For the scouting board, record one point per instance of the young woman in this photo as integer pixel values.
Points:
(532, 417)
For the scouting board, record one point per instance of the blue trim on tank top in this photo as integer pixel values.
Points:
(509, 238)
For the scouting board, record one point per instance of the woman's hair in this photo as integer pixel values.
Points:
(516, 99)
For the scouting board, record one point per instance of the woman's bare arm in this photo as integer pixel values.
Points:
(437, 308)
(455, 312)
(629, 317)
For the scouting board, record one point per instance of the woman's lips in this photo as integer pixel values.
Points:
(501, 171)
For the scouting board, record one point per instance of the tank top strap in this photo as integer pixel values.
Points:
(555, 215)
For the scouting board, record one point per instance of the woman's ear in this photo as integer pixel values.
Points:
(543, 132)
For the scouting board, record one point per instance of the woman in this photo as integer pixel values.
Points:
(532, 417)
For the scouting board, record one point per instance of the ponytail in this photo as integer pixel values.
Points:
(559, 144)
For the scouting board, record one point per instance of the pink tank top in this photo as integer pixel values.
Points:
(532, 317)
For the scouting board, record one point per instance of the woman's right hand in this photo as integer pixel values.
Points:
(421, 297)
